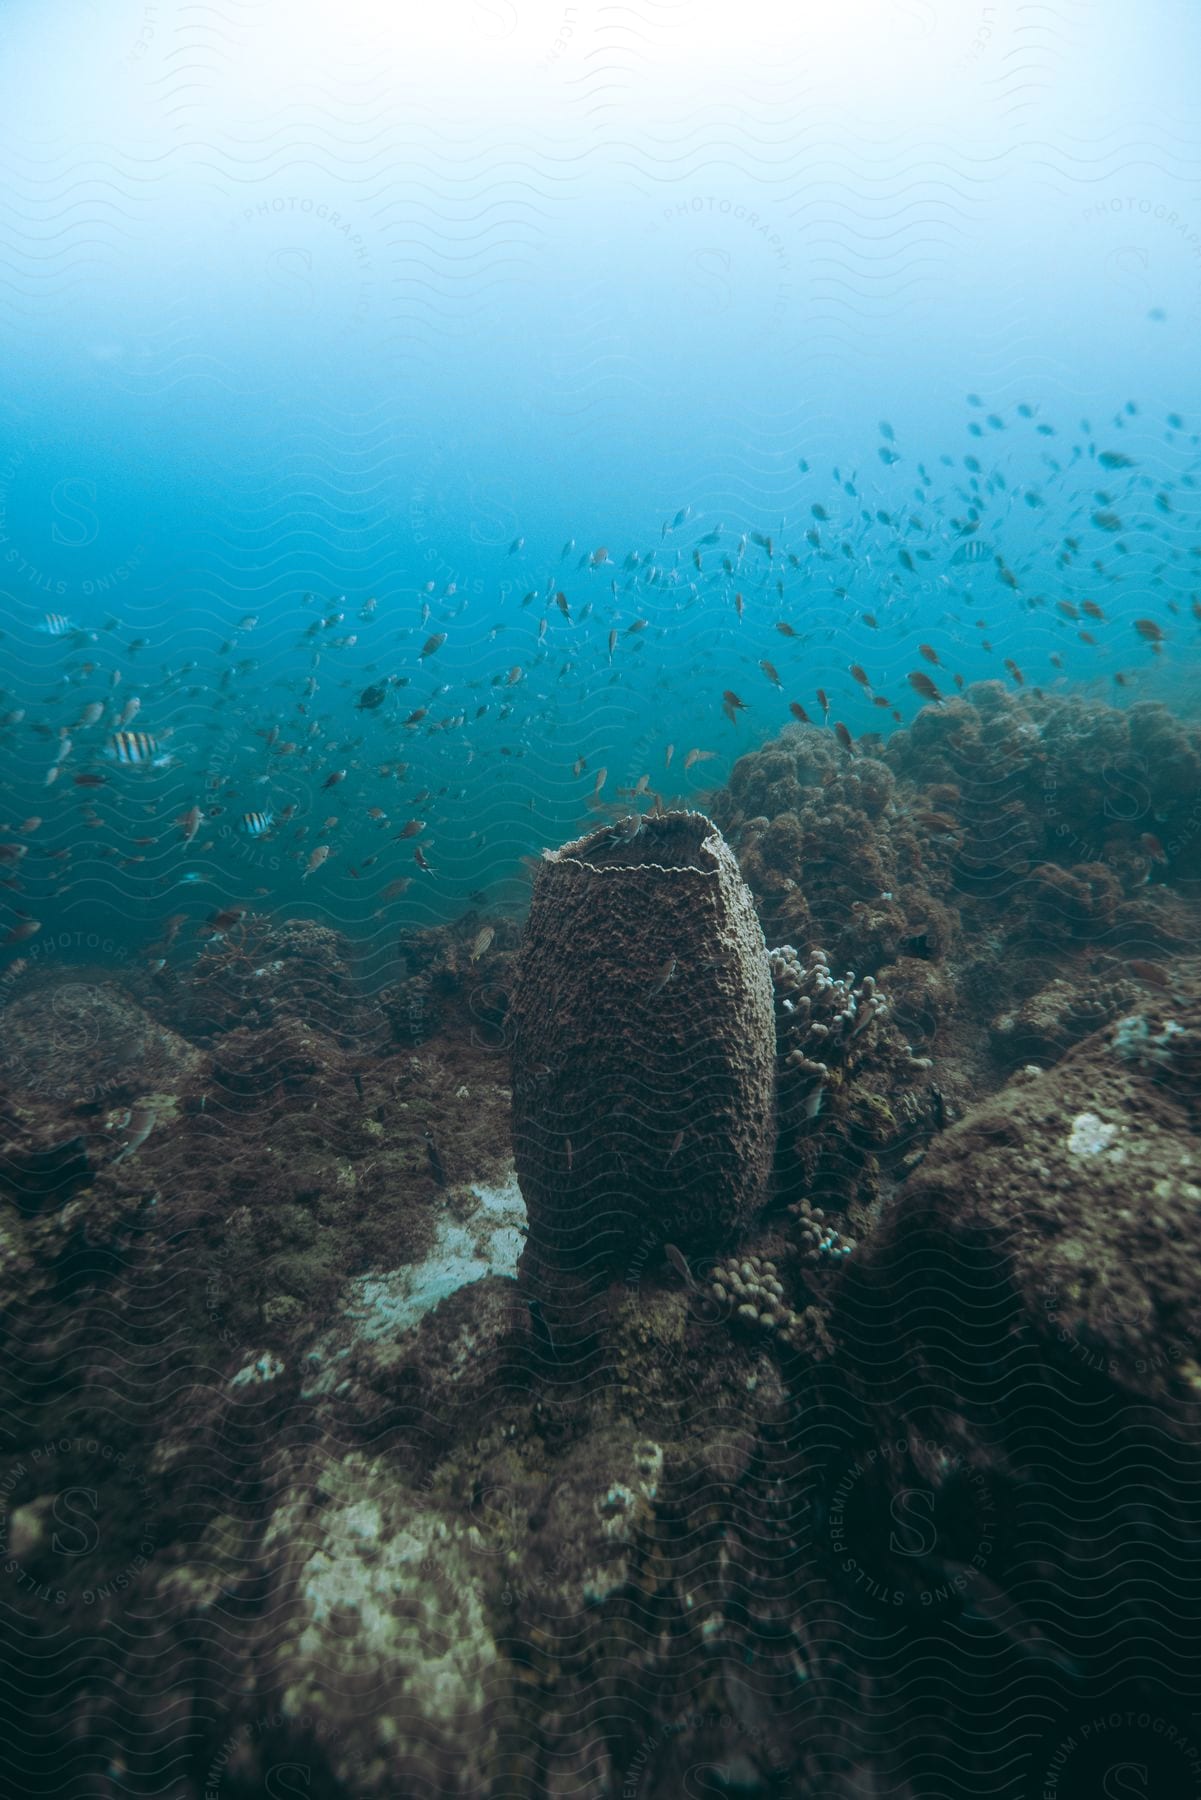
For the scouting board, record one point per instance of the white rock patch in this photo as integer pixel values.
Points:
(383, 1305)
(1090, 1135)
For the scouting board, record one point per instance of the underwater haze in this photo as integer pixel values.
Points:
(784, 348)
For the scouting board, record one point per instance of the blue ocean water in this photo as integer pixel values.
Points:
(639, 366)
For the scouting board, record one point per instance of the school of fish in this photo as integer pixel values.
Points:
(458, 726)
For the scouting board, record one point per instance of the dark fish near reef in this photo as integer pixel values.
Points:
(224, 920)
(435, 1161)
(1152, 973)
(923, 685)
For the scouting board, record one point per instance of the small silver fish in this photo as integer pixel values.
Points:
(141, 1123)
(663, 977)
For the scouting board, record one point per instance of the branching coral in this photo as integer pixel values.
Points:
(824, 1022)
(846, 1100)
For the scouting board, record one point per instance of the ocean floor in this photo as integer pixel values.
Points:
(894, 1496)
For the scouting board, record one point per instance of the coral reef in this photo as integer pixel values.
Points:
(453, 980)
(384, 1671)
(79, 1037)
(355, 1518)
(1048, 1023)
(1000, 845)
(825, 1021)
(854, 1098)
(1072, 1198)
(752, 1289)
(254, 971)
(830, 855)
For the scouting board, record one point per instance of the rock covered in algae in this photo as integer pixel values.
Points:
(1071, 1199)
(644, 1049)
(384, 1669)
(80, 1038)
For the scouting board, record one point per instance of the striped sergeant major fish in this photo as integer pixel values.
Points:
(56, 625)
(137, 749)
(973, 551)
(257, 824)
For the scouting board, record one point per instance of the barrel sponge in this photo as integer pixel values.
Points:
(643, 1050)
